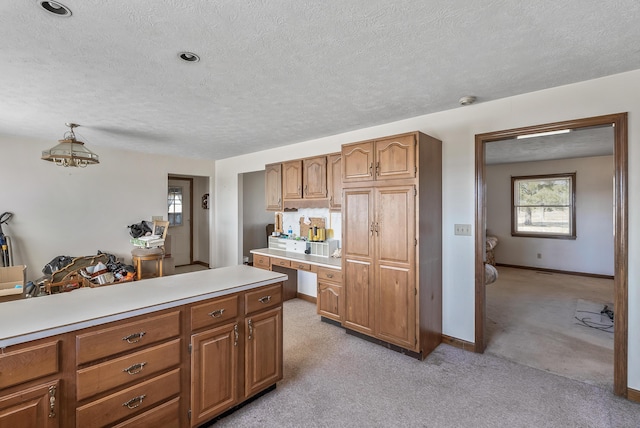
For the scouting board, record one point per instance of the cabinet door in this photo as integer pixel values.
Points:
(357, 162)
(314, 177)
(330, 300)
(358, 257)
(395, 158)
(34, 407)
(334, 181)
(273, 186)
(395, 292)
(292, 179)
(263, 351)
(214, 381)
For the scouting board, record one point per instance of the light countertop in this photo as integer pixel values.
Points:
(329, 262)
(38, 317)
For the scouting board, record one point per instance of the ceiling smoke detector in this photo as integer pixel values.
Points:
(189, 57)
(55, 8)
(467, 100)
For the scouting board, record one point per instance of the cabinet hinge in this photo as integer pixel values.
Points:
(415, 169)
(190, 347)
(415, 192)
(189, 414)
(415, 242)
(416, 341)
(415, 291)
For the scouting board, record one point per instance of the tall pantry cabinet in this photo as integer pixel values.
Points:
(392, 240)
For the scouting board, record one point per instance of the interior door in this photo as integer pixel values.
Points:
(180, 227)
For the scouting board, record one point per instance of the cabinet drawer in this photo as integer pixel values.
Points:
(300, 266)
(214, 312)
(121, 371)
(332, 275)
(263, 298)
(126, 337)
(128, 402)
(260, 261)
(166, 415)
(280, 262)
(28, 363)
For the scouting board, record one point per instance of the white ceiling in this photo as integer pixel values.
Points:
(582, 142)
(275, 72)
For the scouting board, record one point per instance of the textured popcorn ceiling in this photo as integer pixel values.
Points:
(274, 72)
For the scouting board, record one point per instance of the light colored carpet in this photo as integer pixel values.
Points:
(531, 321)
(332, 379)
(189, 268)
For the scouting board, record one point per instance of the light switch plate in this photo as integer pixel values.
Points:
(462, 229)
(156, 217)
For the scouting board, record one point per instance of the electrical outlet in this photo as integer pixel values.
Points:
(462, 229)
(539, 255)
(156, 217)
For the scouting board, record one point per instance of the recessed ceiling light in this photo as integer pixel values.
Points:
(189, 57)
(55, 7)
(467, 100)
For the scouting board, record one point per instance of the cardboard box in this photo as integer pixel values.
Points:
(13, 280)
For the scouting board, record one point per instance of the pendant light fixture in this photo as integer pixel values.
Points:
(70, 152)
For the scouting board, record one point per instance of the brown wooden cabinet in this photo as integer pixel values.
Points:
(263, 351)
(126, 369)
(314, 177)
(334, 181)
(30, 385)
(292, 179)
(273, 186)
(214, 368)
(330, 300)
(382, 159)
(178, 367)
(391, 219)
(35, 407)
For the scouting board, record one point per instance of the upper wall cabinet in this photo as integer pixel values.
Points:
(273, 187)
(314, 177)
(385, 159)
(334, 181)
(304, 183)
(292, 179)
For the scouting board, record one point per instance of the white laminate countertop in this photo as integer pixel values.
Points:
(329, 262)
(38, 317)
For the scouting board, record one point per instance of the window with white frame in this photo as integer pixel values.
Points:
(174, 202)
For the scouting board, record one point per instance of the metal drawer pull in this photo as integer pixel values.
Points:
(52, 401)
(235, 332)
(301, 266)
(137, 400)
(329, 275)
(265, 299)
(250, 329)
(135, 369)
(136, 336)
(217, 313)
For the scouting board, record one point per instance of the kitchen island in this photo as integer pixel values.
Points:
(179, 350)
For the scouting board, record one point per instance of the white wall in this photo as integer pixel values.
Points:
(591, 251)
(75, 211)
(457, 129)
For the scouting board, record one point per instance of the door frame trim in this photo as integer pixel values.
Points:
(621, 291)
(190, 180)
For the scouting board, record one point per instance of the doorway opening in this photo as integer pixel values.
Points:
(188, 215)
(620, 290)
